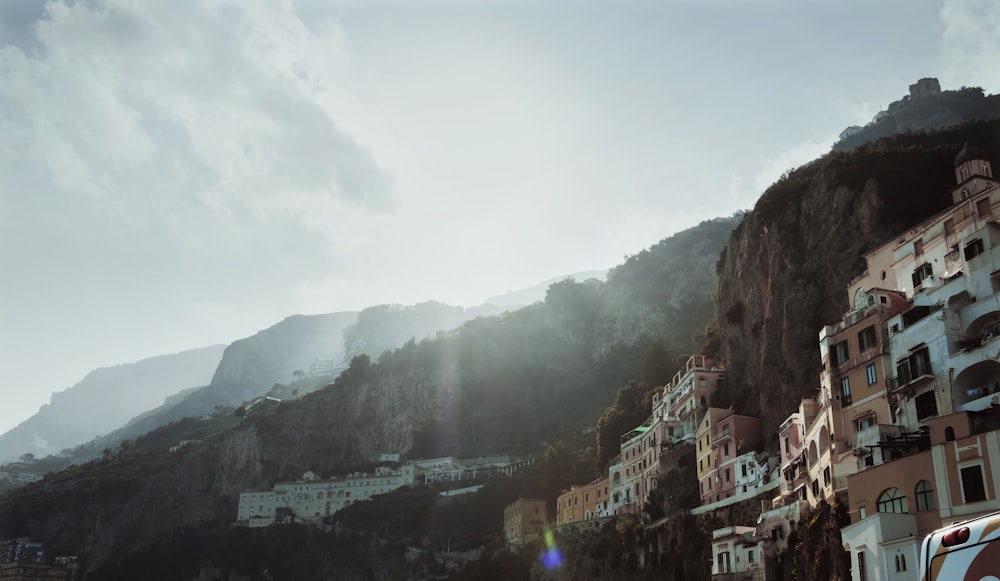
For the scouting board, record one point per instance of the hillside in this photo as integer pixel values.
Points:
(927, 113)
(549, 369)
(107, 398)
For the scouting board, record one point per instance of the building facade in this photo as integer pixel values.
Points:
(524, 521)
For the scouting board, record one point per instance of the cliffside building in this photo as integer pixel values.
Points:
(937, 459)
(582, 503)
(726, 455)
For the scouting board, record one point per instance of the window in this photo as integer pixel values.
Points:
(949, 434)
(926, 405)
(866, 338)
(750, 556)
(839, 353)
(815, 488)
(983, 207)
(866, 422)
(900, 562)
(725, 450)
(744, 471)
(872, 374)
(863, 512)
(723, 562)
(845, 391)
(924, 271)
(973, 249)
(924, 494)
(788, 449)
(826, 476)
(727, 475)
(972, 483)
(912, 367)
(892, 500)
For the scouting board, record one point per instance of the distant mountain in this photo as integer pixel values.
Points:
(497, 384)
(105, 399)
(268, 362)
(534, 294)
(249, 368)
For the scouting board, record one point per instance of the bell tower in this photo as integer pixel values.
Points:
(972, 173)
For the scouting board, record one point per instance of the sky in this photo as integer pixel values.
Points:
(181, 174)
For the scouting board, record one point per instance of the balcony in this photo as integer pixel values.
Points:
(636, 432)
(977, 387)
(720, 437)
(874, 435)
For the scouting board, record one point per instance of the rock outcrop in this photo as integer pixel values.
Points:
(784, 273)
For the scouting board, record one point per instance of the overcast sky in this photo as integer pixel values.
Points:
(185, 173)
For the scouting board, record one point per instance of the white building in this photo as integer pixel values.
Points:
(311, 499)
(736, 553)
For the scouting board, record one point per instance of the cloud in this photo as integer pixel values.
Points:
(970, 42)
(186, 107)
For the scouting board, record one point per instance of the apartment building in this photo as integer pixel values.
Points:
(583, 503)
(726, 456)
(791, 444)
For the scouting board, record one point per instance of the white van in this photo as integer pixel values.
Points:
(964, 551)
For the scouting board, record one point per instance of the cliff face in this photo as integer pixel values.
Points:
(105, 399)
(272, 355)
(784, 273)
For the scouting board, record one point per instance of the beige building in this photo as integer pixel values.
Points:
(524, 521)
(583, 503)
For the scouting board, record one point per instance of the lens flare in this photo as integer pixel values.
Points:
(551, 557)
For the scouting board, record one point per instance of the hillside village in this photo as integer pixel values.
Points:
(903, 432)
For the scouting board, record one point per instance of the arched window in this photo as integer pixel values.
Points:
(949, 434)
(924, 494)
(900, 563)
(892, 500)
(704, 402)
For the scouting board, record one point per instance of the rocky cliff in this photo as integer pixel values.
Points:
(105, 399)
(784, 273)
